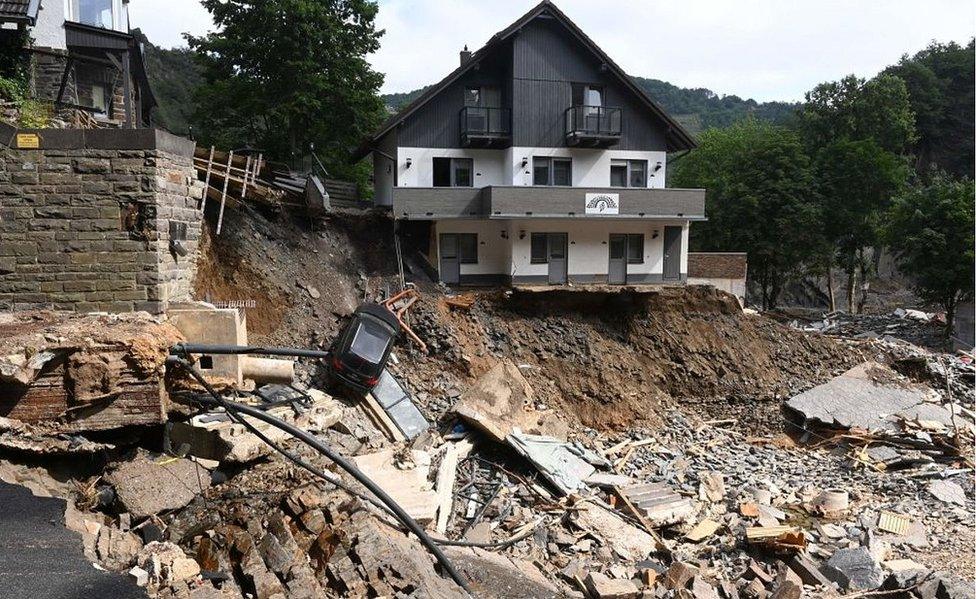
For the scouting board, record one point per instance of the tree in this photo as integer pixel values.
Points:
(857, 180)
(286, 74)
(930, 229)
(760, 198)
(856, 109)
(940, 84)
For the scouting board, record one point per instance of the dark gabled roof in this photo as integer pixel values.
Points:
(19, 11)
(678, 138)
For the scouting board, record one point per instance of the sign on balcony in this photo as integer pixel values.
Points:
(603, 203)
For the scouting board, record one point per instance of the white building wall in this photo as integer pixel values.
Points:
(489, 165)
(589, 248)
(591, 168)
(48, 32)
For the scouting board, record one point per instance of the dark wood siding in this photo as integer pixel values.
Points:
(435, 125)
(547, 60)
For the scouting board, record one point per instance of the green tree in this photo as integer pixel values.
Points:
(285, 75)
(856, 109)
(760, 198)
(941, 87)
(856, 181)
(930, 229)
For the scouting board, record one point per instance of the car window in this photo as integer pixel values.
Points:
(370, 341)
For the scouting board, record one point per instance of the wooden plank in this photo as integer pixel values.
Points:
(387, 425)
(446, 475)
(206, 182)
(223, 195)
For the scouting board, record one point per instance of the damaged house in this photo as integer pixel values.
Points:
(538, 161)
(83, 59)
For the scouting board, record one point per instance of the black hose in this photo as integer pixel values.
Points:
(313, 442)
(195, 348)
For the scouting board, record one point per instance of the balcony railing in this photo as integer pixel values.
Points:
(484, 126)
(597, 126)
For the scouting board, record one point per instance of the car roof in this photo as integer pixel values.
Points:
(382, 313)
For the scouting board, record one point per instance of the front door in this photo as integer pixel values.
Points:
(618, 259)
(672, 253)
(450, 266)
(558, 262)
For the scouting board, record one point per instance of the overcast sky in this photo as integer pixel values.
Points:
(762, 49)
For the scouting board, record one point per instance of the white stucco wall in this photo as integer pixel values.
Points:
(489, 165)
(589, 248)
(591, 168)
(48, 32)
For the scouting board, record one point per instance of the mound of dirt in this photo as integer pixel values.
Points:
(613, 359)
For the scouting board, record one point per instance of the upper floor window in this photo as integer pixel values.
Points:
(484, 96)
(585, 94)
(453, 172)
(552, 171)
(628, 173)
(108, 14)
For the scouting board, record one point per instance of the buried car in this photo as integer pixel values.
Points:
(361, 351)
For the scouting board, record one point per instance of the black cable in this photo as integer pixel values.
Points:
(313, 442)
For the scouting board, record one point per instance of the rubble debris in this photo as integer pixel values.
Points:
(702, 530)
(657, 503)
(778, 538)
(84, 372)
(214, 436)
(500, 576)
(502, 400)
(854, 569)
(446, 475)
(404, 476)
(627, 541)
(147, 486)
(602, 587)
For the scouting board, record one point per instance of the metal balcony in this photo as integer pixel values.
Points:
(592, 126)
(485, 127)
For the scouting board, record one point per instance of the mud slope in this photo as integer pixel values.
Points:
(613, 359)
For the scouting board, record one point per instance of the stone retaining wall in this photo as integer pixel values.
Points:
(91, 221)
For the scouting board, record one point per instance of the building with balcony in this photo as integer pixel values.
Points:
(83, 58)
(538, 161)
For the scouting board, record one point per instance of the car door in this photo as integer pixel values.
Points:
(618, 259)
(450, 259)
(558, 259)
(672, 253)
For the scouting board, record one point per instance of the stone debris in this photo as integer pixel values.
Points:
(947, 492)
(146, 486)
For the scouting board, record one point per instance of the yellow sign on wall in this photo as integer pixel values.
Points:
(28, 141)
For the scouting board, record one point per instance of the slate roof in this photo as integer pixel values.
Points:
(19, 11)
(678, 137)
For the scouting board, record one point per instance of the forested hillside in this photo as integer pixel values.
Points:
(174, 77)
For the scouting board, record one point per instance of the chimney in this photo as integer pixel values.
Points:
(465, 54)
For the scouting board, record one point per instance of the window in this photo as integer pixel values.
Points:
(635, 248)
(97, 13)
(99, 98)
(587, 95)
(472, 96)
(468, 248)
(540, 248)
(552, 171)
(370, 341)
(628, 173)
(453, 172)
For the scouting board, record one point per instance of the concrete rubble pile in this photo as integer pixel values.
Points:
(868, 490)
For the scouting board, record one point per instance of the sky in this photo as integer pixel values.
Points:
(760, 49)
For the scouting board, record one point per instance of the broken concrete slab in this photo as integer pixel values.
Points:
(871, 397)
(854, 569)
(624, 539)
(559, 462)
(147, 486)
(404, 476)
(501, 401)
(947, 492)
